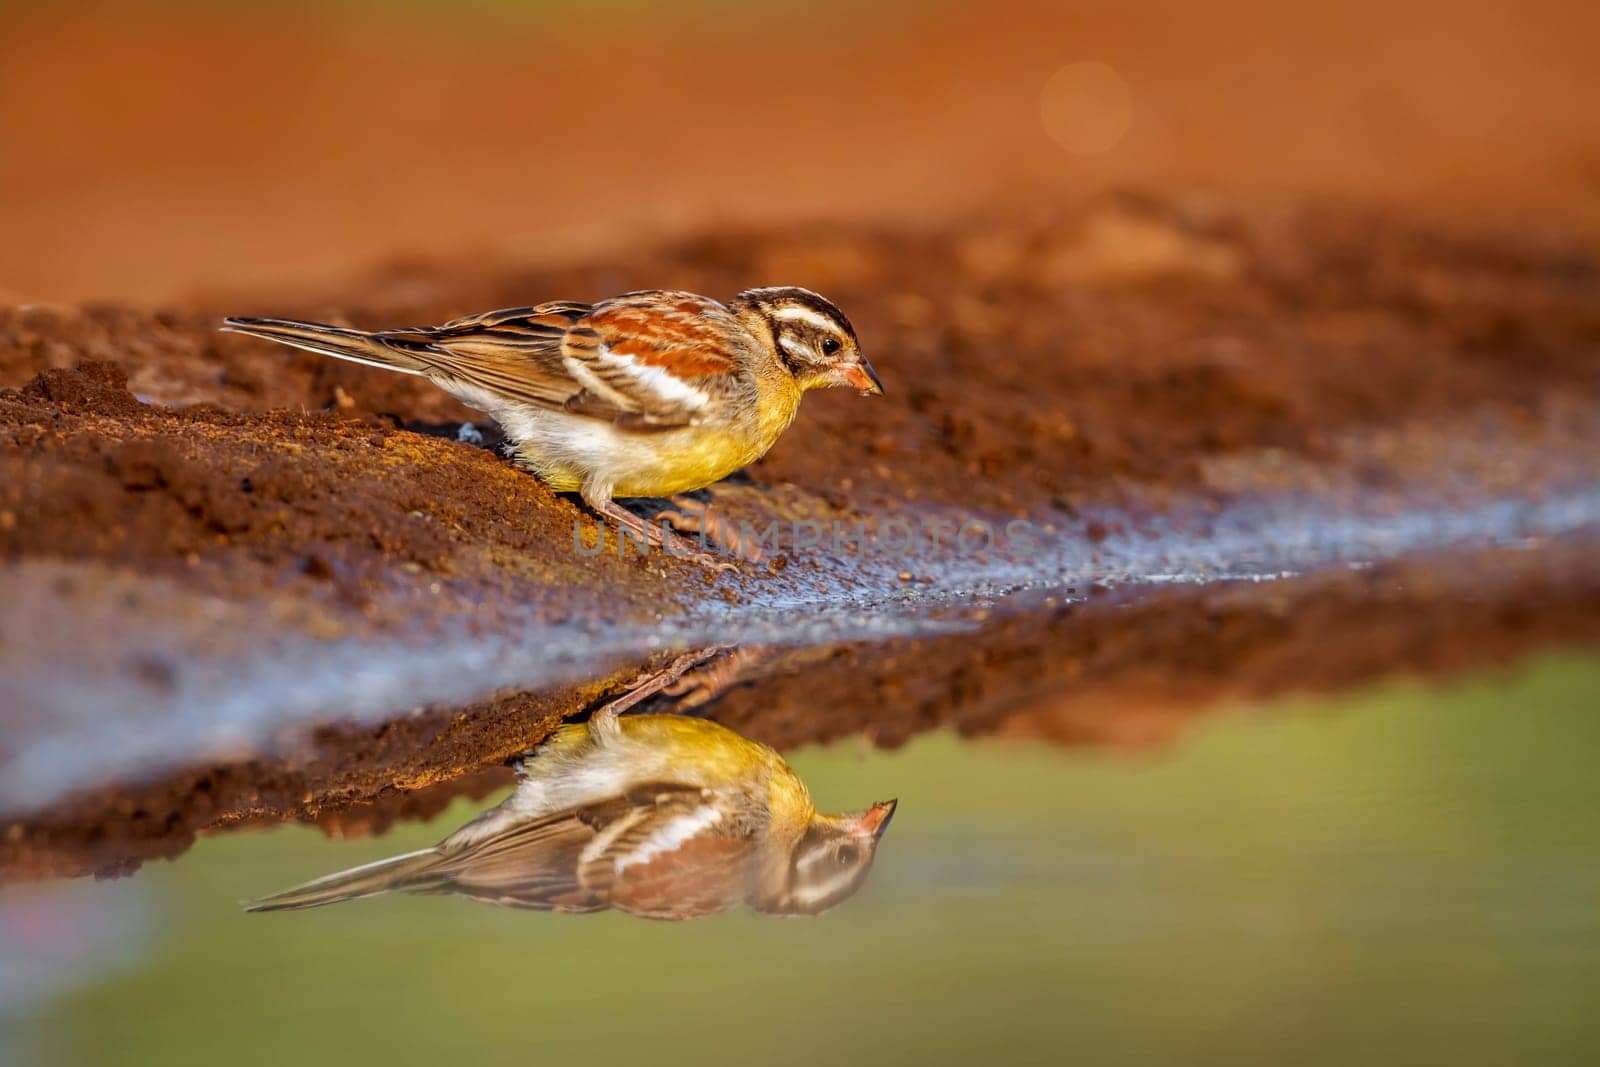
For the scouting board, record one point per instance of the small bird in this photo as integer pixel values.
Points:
(656, 815)
(648, 394)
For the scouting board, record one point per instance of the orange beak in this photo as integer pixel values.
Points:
(875, 820)
(860, 377)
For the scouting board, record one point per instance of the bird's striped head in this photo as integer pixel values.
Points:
(812, 338)
(831, 860)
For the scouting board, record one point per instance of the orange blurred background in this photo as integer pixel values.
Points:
(149, 153)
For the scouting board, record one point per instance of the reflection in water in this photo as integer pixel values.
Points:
(1406, 875)
(656, 815)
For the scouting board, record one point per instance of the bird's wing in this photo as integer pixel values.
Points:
(663, 851)
(653, 359)
(533, 865)
(647, 361)
(514, 354)
(682, 855)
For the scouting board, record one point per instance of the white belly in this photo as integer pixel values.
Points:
(577, 453)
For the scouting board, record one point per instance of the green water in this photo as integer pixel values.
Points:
(1401, 876)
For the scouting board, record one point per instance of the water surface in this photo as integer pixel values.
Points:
(1406, 875)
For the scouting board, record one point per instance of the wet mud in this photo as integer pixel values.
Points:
(1220, 453)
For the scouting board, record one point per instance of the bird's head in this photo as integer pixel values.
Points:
(812, 337)
(831, 860)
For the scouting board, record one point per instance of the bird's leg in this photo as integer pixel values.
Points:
(699, 517)
(645, 532)
(701, 687)
(603, 723)
(654, 535)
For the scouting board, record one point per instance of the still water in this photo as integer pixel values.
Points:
(1407, 875)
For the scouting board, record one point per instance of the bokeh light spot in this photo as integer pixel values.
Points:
(1087, 108)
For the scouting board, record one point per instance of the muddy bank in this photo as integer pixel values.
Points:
(1248, 450)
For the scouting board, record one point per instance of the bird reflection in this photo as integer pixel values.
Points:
(660, 816)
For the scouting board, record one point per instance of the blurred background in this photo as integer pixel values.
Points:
(155, 149)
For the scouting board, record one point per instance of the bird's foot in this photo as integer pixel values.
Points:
(704, 682)
(675, 544)
(603, 723)
(702, 519)
(655, 534)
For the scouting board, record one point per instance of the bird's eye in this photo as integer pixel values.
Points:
(830, 345)
(847, 855)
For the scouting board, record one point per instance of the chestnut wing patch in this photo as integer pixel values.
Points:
(701, 876)
(678, 854)
(655, 359)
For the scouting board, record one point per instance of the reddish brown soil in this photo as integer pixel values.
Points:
(1140, 352)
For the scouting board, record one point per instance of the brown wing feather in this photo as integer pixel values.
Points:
(530, 866)
(692, 336)
(560, 313)
(647, 361)
(540, 865)
(702, 876)
(514, 352)
(624, 348)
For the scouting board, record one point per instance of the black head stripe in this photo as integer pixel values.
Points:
(812, 302)
(777, 297)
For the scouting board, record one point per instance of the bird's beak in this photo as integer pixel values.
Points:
(875, 820)
(859, 376)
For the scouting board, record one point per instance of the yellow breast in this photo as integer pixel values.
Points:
(568, 451)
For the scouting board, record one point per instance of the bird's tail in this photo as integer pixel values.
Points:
(358, 347)
(410, 871)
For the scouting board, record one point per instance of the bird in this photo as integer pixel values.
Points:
(653, 393)
(656, 815)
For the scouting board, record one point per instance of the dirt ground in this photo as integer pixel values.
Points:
(1139, 358)
(1297, 386)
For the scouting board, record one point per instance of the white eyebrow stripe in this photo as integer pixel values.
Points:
(805, 314)
(810, 894)
(794, 347)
